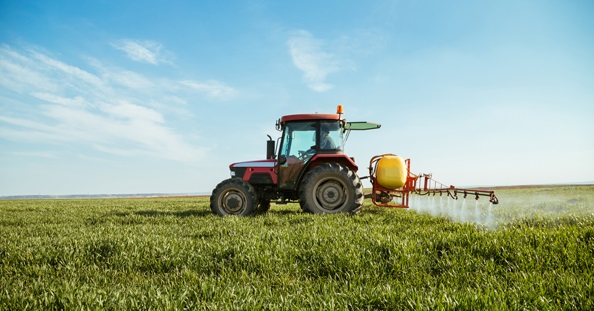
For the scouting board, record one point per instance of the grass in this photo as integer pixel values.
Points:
(171, 253)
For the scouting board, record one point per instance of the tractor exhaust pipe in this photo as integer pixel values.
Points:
(270, 148)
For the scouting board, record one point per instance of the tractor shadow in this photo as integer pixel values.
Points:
(154, 213)
(180, 214)
(283, 212)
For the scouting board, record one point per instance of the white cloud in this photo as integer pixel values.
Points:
(142, 51)
(77, 101)
(308, 55)
(71, 72)
(36, 154)
(133, 112)
(19, 73)
(31, 71)
(211, 88)
(117, 77)
(130, 79)
(106, 111)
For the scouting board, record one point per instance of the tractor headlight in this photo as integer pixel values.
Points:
(232, 173)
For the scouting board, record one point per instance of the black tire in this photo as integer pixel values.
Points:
(331, 188)
(263, 206)
(233, 197)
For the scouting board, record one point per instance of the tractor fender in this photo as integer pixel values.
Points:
(342, 159)
(318, 159)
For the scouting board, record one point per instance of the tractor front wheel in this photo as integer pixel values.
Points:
(233, 197)
(331, 188)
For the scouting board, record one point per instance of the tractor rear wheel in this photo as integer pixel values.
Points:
(331, 188)
(233, 197)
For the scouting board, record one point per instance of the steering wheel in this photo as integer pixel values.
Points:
(306, 154)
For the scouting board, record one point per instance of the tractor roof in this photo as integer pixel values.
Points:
(312, 116)
(356, 126)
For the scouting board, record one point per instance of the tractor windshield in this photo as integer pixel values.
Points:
(303, 139)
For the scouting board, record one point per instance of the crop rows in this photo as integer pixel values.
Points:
(171, 253)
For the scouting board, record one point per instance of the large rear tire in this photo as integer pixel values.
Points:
(331, 188)
(233, 197)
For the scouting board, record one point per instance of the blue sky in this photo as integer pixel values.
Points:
(161, 96)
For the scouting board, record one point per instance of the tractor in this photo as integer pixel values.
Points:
(312, 168)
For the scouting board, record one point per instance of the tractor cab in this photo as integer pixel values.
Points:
(305, 139)
(309, 140)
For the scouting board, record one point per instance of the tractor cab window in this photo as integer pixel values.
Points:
(303, 139)
(331, 136)
(298, 140)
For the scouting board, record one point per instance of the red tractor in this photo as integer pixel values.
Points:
(310, 167)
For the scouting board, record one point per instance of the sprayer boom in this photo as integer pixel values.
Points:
(428, 186)
(393, 182)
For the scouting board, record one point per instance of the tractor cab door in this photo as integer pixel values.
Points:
(298, 138)
(301, 141)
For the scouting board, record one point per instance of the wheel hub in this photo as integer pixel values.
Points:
(331, 194)
(233, 202)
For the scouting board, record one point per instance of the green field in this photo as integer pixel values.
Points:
(535, 251)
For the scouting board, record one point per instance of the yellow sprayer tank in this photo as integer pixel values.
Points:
(391, 172)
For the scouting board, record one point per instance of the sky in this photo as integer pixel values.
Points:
(122, 97)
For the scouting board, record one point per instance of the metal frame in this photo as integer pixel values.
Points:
(426, 185)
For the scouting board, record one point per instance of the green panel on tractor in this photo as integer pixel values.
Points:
(361, 126)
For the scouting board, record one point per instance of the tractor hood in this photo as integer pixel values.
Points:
(257, 163)
(239, 169)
